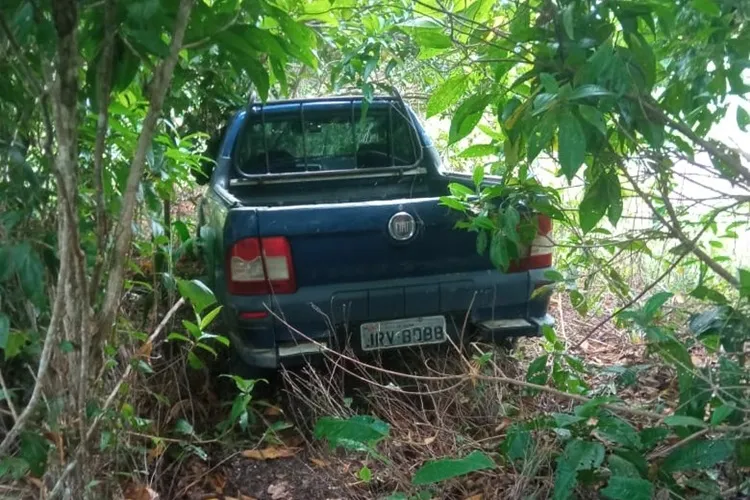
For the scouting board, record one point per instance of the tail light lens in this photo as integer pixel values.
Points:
(539, 253)
(259, 266)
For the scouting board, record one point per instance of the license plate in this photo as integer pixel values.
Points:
(402, 333)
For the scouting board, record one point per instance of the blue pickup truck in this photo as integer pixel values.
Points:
(321, 226)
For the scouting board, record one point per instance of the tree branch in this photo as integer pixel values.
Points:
(123, 233)
(674, 228)
(103, 90)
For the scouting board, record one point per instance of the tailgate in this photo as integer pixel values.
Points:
(350, 242)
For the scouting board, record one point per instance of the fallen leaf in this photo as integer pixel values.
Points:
(272, 411)
(478, 496)
(157, 450)
(144, 352)
(217, 482)
(429, 440)
(270, 453)
(319, 463)
(140, 492)
(279, 491)
(247, 497)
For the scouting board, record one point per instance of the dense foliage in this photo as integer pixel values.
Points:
(585, 109)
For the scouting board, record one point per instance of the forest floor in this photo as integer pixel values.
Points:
(294, 466)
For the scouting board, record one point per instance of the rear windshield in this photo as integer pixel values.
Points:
(321, 139)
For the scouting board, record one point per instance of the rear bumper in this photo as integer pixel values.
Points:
(493, 305)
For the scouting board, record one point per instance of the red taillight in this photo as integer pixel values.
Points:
(539, 253)
(258, 266)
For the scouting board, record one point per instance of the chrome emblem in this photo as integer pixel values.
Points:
(402, 226)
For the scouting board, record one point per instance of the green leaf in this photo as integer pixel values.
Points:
(578, 455)
(614, 196)
(619, 466)
(684, 421)
(178, 336)
(182, 426)
(708, 7)
(655, 303)
(482, 242)
(572, 144)
(468, 114)
(499, 252)
(540, 137)
(594, 205)
(721, 413)
(357, 432)
(744, 275)
(446, 94)
(537, 372)
(743, 118)
(4, 330)
(594, 117)
(585, 91)
(197, 293)
(567, 18)
(431, 39)
(443, 469)
(144, 367)
(209, 318)
(365, 474)
(34, 450)
(478, 175)
(628, 488)
(459, 190)
(478, 150)
(549, 83)
(517, 444)
(698, 455)
(452, 203)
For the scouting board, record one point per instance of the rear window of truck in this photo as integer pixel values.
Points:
(320, 139)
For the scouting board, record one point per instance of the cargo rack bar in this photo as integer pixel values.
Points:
(352, 99)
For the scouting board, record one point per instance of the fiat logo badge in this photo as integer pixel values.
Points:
(402, 226)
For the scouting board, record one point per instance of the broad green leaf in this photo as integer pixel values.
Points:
(708, 7)
(614, 196)
(644, 56)
(743, 118)
(721, 413)
(34, 449)
(594, 204)
(684, 421)
(701, 454)
(619, 431)
(482, 242)
(537, 372)
(518, 443)
(585, 91)
(467, 116)
(182, 426)
(452, 203)
(446, 94)
(628, 488)
(541, 136)
(358, 432)
(549, 83)
(478, 150)
(478, 175)
(594, 117)
(655, 303)
(499, 252)
(436, 471)
(578, 455)
(618, 466)
(459, 190)
(744, 275)
(197, 293)
(209, 318)
(567, 19)
(431, 39)
(572, 144)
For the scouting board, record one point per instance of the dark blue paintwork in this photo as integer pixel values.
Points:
(348, 268)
